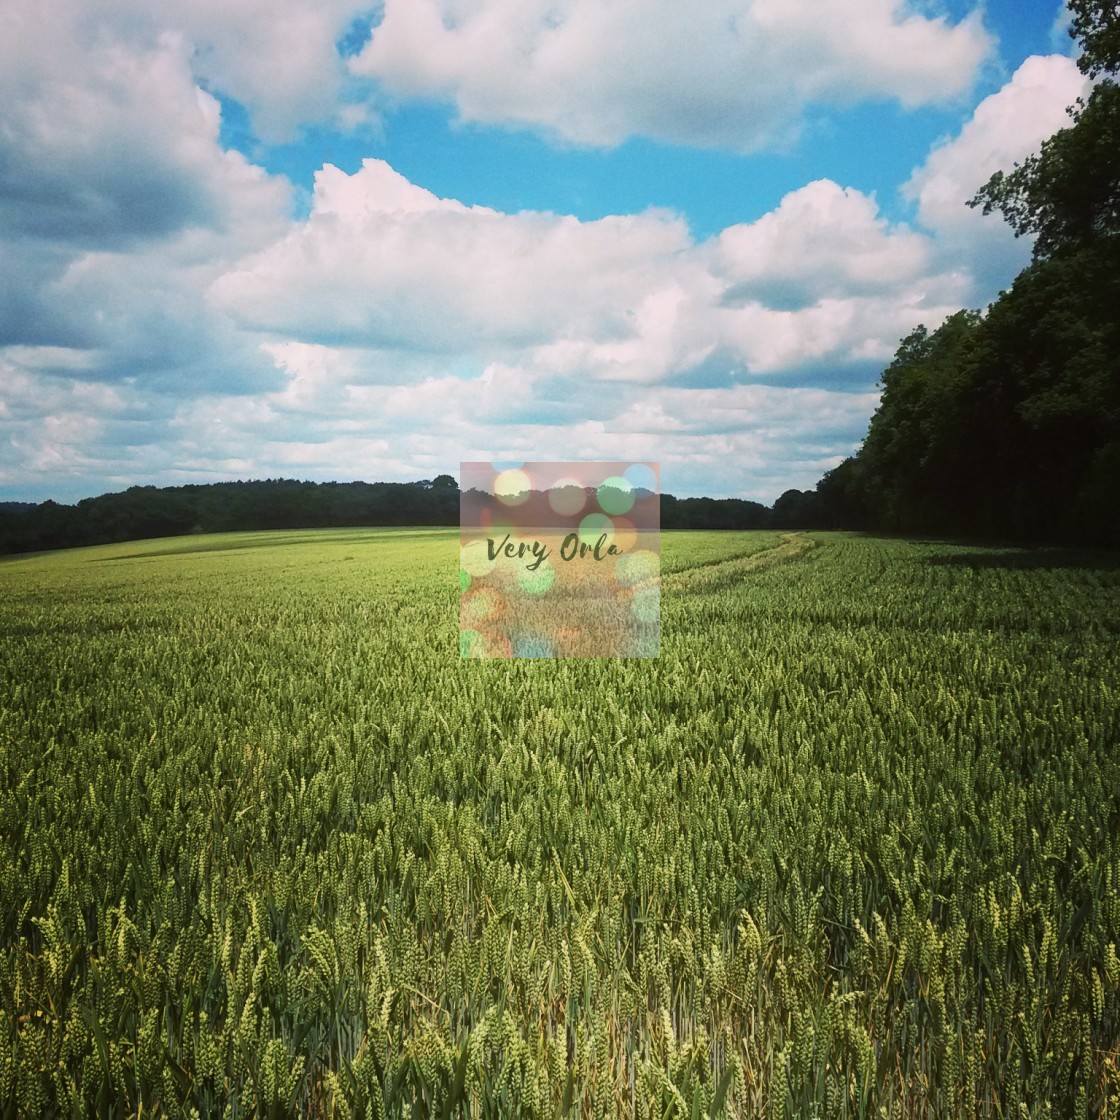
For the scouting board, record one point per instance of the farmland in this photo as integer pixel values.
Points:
(849, 847)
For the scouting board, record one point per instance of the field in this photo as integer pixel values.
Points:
(849, 847)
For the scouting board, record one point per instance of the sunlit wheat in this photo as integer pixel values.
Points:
(849, 847)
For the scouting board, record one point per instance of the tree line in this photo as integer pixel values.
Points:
(142, 512)
(149, 511)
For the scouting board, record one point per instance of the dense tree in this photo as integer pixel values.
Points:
(145, 511)
(712, 513)
(1068, 194)
(914, 460)
(842, 497)
(1095, 24)
(795, 509)
(1006, 424)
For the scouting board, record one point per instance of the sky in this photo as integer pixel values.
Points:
(271, 239)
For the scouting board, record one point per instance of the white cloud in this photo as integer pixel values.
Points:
(57, 428)
(1005, 128)
(821, 241)
(1061, 41)
(163, 319)
(107, 145)
(730, 73)
(748, 440)
(118, 205)
(579, 333)
(278, 57)
(381, 263)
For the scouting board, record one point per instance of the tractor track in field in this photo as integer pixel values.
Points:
(793, 546)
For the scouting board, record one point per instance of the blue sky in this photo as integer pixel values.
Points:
(345, 241)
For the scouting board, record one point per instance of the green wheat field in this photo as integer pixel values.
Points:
(849, 847)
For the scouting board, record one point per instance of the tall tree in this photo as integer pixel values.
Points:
(917, 454)
(1068, 194)
(1096, 25)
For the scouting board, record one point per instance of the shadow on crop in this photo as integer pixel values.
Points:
(1031, 559)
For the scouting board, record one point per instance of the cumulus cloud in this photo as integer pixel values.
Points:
(567, 338)
(1005, 128)
(279, 58)
(118, 204)
(164, 318)
(822, 241)
(728, 73)
(58, 428)
(106, 144)
(751, 439)
(382, 263)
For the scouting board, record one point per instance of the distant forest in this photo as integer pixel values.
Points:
(148, 511)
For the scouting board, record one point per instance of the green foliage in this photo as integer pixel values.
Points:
(713, 513)
(1006, 425)
(912, 460)
(848, 848)
(1095, 24)
(1068, 194)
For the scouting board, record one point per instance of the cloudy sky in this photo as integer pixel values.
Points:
(270, 238)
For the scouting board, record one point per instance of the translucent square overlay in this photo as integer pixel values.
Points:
(560, 560)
